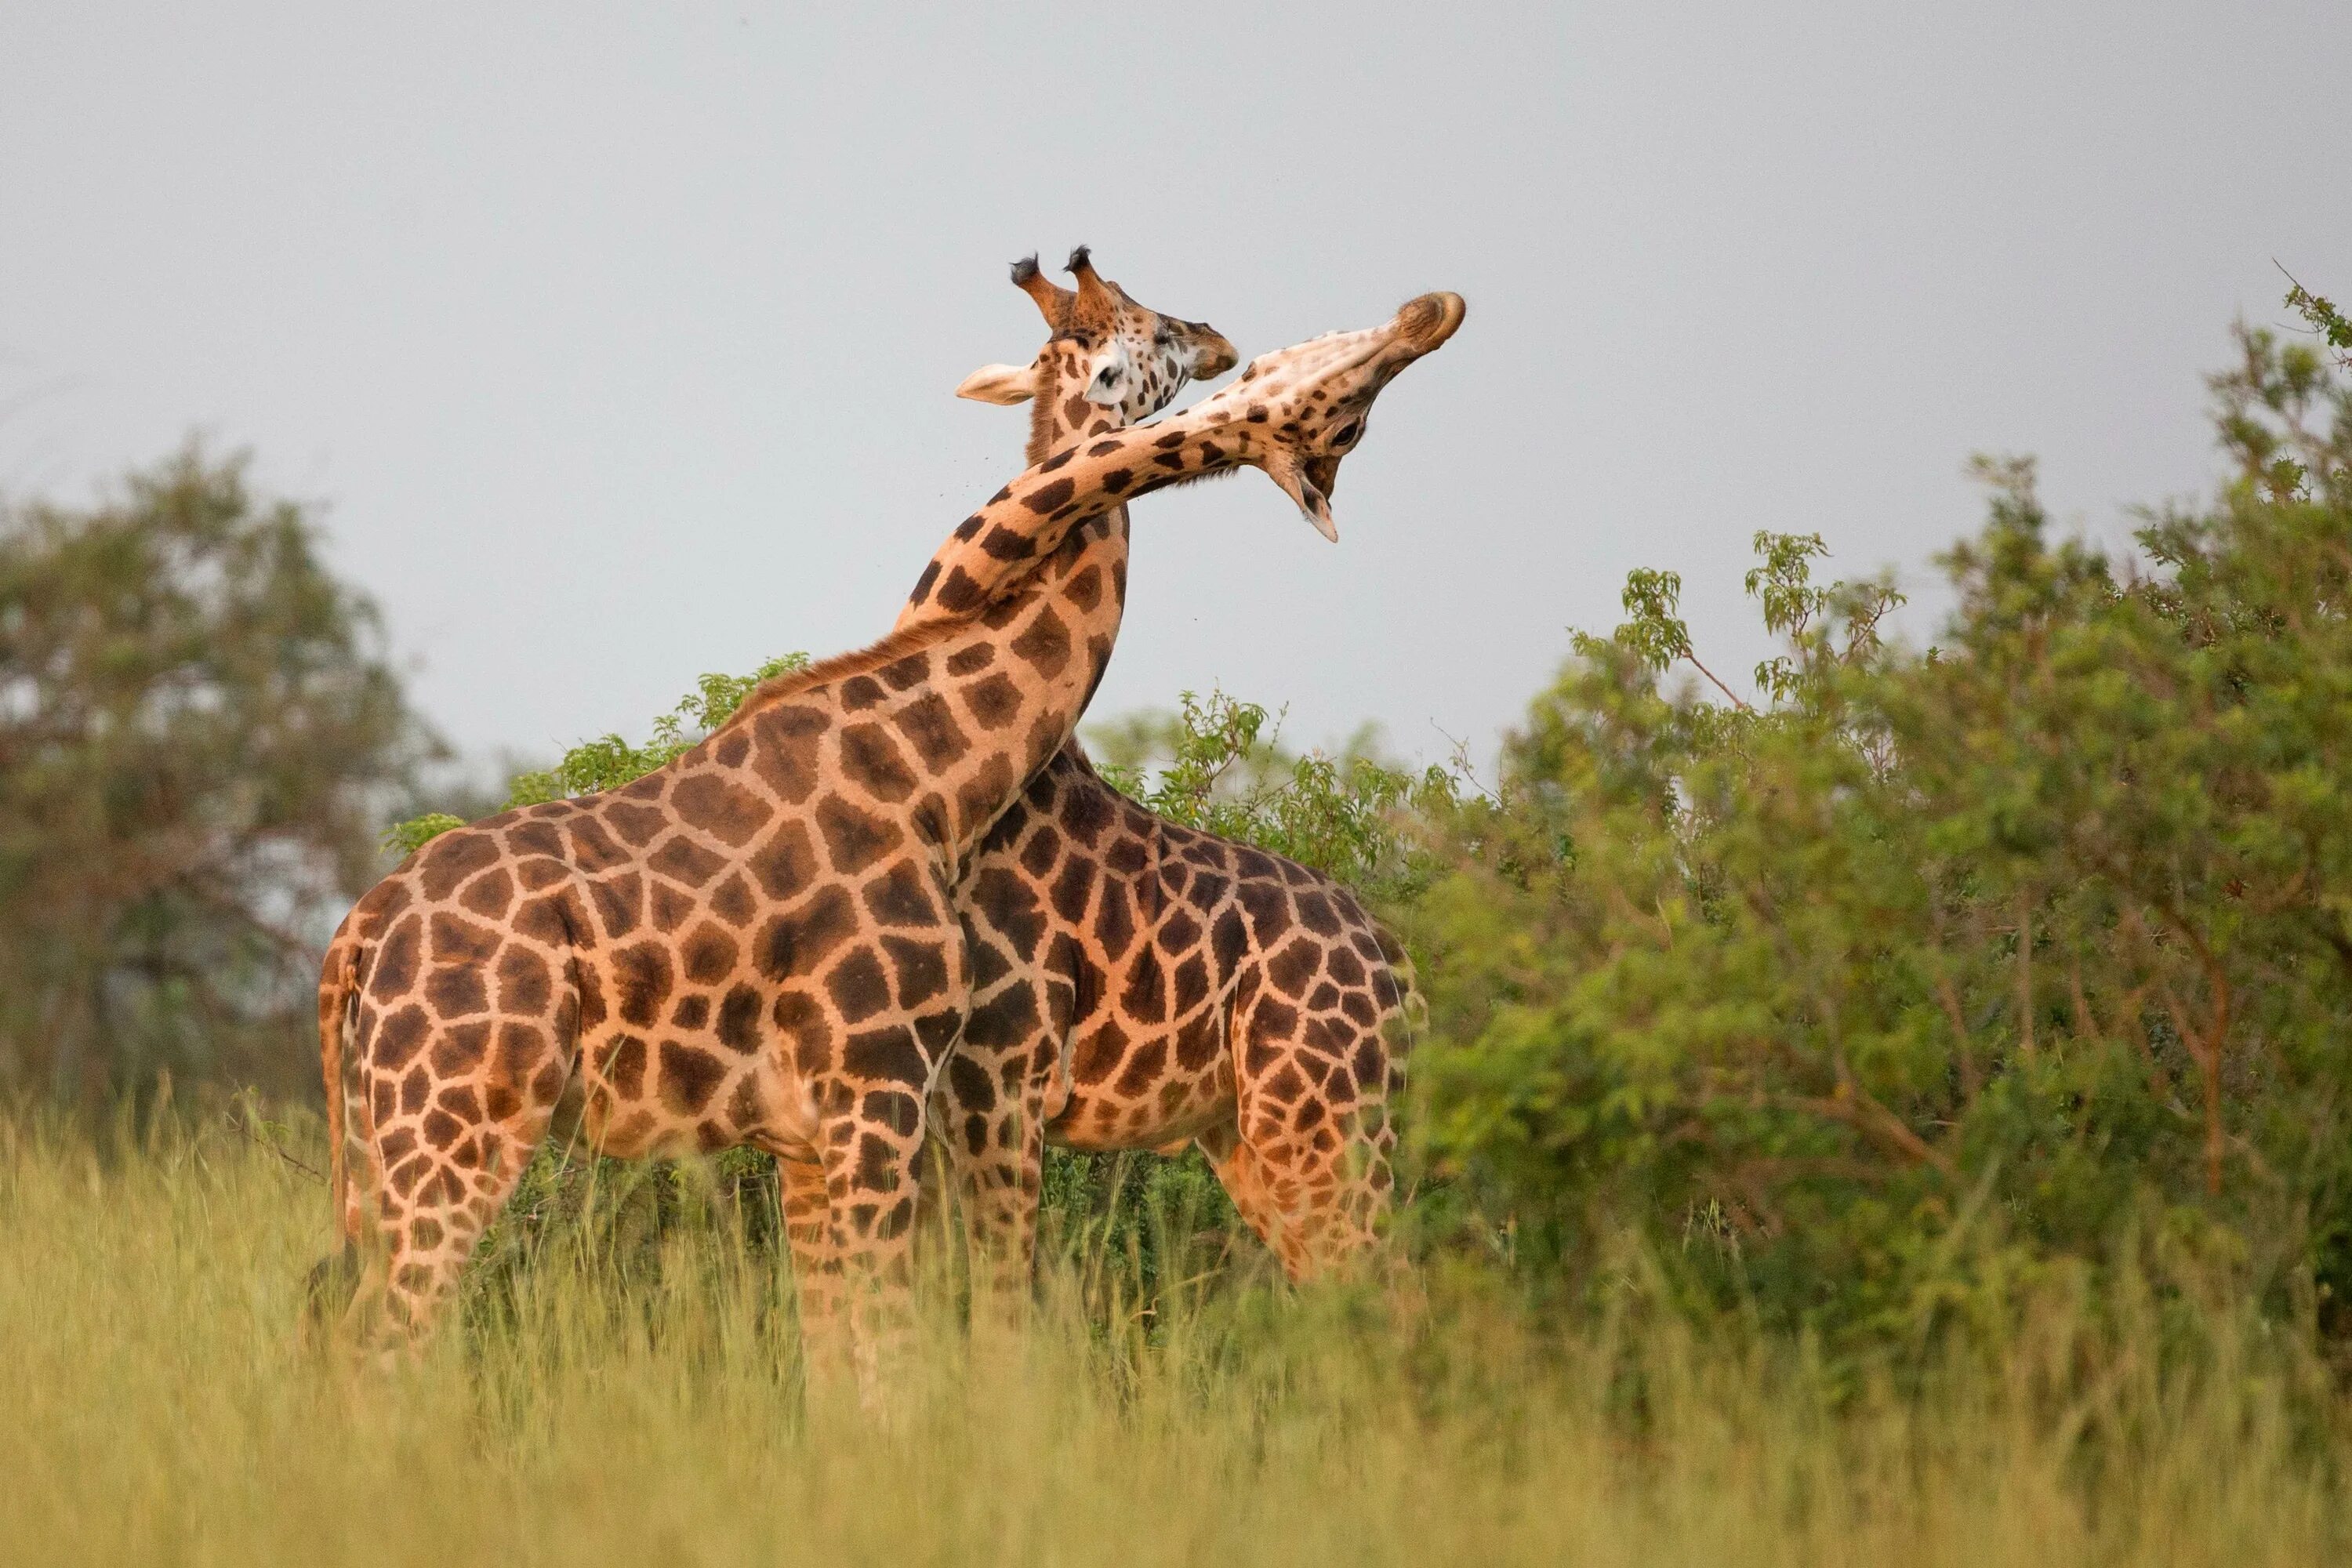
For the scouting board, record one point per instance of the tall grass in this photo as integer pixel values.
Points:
(644, 1404)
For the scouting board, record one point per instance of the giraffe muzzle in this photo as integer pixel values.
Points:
(1308, 481)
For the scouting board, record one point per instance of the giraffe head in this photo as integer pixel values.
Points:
(1304, 408)
(1109, 363)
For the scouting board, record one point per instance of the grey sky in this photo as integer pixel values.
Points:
(619, 342)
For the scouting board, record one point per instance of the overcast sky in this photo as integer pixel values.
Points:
(615, 343)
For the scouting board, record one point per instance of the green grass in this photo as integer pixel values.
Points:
(641, 1403)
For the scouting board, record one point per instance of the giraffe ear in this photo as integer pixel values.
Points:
(1004, 384)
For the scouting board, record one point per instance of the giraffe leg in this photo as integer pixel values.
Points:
(336, 1280)
(1311, 1175)
(1242, 1173)
(1312, 1220)
(816, 1261)
(868, 1152)
(864, 1266)
(988, 1115)
(445, 1150)
(988, 1109)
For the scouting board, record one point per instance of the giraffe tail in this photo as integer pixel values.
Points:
(1415, 1005)
(1408, 1005)
(338, 991)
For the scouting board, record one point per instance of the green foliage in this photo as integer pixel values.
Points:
(608, 762)
(2325, 318)
(408, 838)
(196, 728)
(1217, 764)
(1875, 1004)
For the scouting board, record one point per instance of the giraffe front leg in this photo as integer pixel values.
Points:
(988, 1118)
(868, 1146)
(1002, 1188)
(870, 1162)
(816, 1261)
(988, 1109)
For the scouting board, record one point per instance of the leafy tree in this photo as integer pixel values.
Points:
(2325, 318)
(1872, 1002)
(197, 729)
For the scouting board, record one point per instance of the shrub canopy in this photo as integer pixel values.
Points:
(1931, 970)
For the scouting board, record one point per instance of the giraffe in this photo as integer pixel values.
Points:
(1140, 984)
(756, 944)
(1110, 364)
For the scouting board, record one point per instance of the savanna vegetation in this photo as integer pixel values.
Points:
(1894, 1107)
(198, 738)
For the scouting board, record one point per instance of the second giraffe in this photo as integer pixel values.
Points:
(1138, 983)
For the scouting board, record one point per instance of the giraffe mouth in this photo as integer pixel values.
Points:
(1323, 473)
(1322, 476)
(1308, 481)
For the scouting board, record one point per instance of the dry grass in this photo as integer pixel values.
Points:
(156, 1405)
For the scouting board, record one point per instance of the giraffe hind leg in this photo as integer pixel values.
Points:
(335, 1280)
(1314, 1208)
(1306, 1159)
(443, 1164)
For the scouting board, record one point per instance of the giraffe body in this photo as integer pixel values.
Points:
(1141, 985)
(756, 944)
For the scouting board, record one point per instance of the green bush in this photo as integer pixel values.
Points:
(1217, 763)
(1934, 972)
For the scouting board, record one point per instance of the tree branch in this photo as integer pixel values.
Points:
(1855, 1107)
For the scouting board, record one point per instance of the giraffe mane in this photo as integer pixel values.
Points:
(896, 645)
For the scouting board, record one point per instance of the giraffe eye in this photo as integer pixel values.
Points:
(1346, 432)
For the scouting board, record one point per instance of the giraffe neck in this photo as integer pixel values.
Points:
(1102, 544)
(1061, 414)
(1008, 628)
(1002, 545)
(1058, 420)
